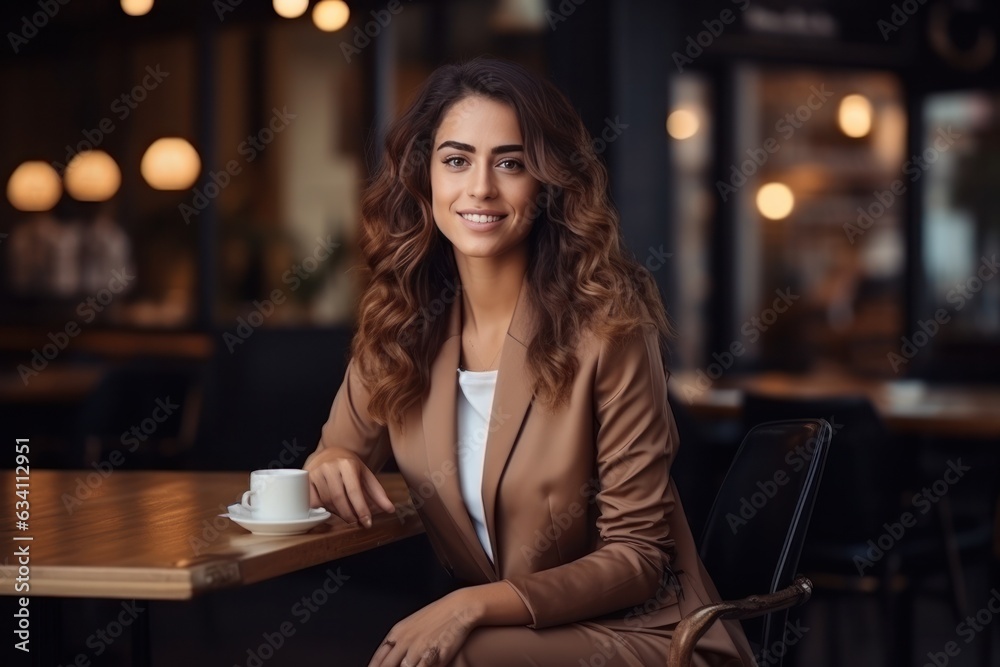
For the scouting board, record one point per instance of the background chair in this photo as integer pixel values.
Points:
(142, 414)
(267, 399)
(754, 535)
(871, 483)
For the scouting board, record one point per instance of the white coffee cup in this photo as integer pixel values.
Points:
(280, 494)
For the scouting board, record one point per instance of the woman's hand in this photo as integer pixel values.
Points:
(340, 481)
(431, 636)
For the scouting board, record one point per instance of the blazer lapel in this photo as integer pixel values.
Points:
(511, 399)
(439, 418)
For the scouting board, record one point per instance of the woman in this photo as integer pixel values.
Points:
(509, 355)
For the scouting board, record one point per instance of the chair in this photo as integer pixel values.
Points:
(267, 398)
(866, 461)
(142, 413)
(755, 533)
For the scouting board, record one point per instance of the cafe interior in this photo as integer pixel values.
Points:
(810, 184)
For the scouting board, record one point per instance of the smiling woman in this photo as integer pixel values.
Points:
(531, 415)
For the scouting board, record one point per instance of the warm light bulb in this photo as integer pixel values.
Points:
(683, 124)
(775, 201)
(92, 176)
(290, 9)
(170, 163)
(855, 116)
(331, 15)
(137, 7)
(34, 186)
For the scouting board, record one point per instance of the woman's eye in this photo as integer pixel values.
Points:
(455, 161)
(510, 163)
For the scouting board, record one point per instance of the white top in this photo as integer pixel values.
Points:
(475, 402)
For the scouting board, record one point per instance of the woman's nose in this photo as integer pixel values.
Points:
(481, 184)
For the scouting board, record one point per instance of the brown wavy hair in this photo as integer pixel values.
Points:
(581, 276)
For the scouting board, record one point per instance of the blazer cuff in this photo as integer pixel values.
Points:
(527, 604)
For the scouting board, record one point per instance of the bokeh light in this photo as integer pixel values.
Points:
(170, 163)
(290, 9)
(855, 116)
(775, 201)
(331, 15)
(34, 186)
(92, 176)
(683, 124)
(137, 7)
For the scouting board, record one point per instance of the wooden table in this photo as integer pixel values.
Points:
(157, 535)
(909, 406)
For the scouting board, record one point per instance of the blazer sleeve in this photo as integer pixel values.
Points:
(633, 450)
(349, 425)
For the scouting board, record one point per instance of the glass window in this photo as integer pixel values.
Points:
(960, 163)
(817, 188)
(289, 120)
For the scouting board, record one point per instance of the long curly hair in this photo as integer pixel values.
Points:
(581, 276)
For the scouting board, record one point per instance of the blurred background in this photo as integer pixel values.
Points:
(811, 183)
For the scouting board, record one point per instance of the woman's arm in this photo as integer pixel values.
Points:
(633, 450)
(351, 449)
(350, 427)
(496, 603)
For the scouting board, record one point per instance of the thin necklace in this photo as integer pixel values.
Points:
(490, 367)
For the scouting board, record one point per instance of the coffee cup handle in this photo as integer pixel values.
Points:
(245, 502)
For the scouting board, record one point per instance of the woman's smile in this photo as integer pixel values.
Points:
(482, 222)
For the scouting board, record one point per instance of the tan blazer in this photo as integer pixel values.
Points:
(582, 517)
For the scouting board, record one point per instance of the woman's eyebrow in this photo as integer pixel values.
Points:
(506, 148)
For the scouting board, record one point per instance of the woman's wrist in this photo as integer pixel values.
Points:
(327, 454)
(496, 603)
(472, 609)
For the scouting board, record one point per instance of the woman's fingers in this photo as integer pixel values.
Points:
(356, 496)
(375, 491)
(348, 488)
(390, 656)
(353, 492)
(382, 653)
(430, 657)
(335, 497)
(372, 504)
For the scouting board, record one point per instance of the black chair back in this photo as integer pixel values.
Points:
(758, 523)
(864, 462)
(137, 405)
(267, 399)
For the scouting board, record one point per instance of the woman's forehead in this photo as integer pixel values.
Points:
(480, 119)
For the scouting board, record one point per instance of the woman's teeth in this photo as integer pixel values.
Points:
(474, 217)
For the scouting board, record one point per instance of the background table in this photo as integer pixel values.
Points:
(907, 406)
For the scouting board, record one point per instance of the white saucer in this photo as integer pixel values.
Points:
(238, 515)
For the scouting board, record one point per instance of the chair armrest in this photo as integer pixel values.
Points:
(694, 625)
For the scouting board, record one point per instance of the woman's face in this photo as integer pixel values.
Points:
(482, 195)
